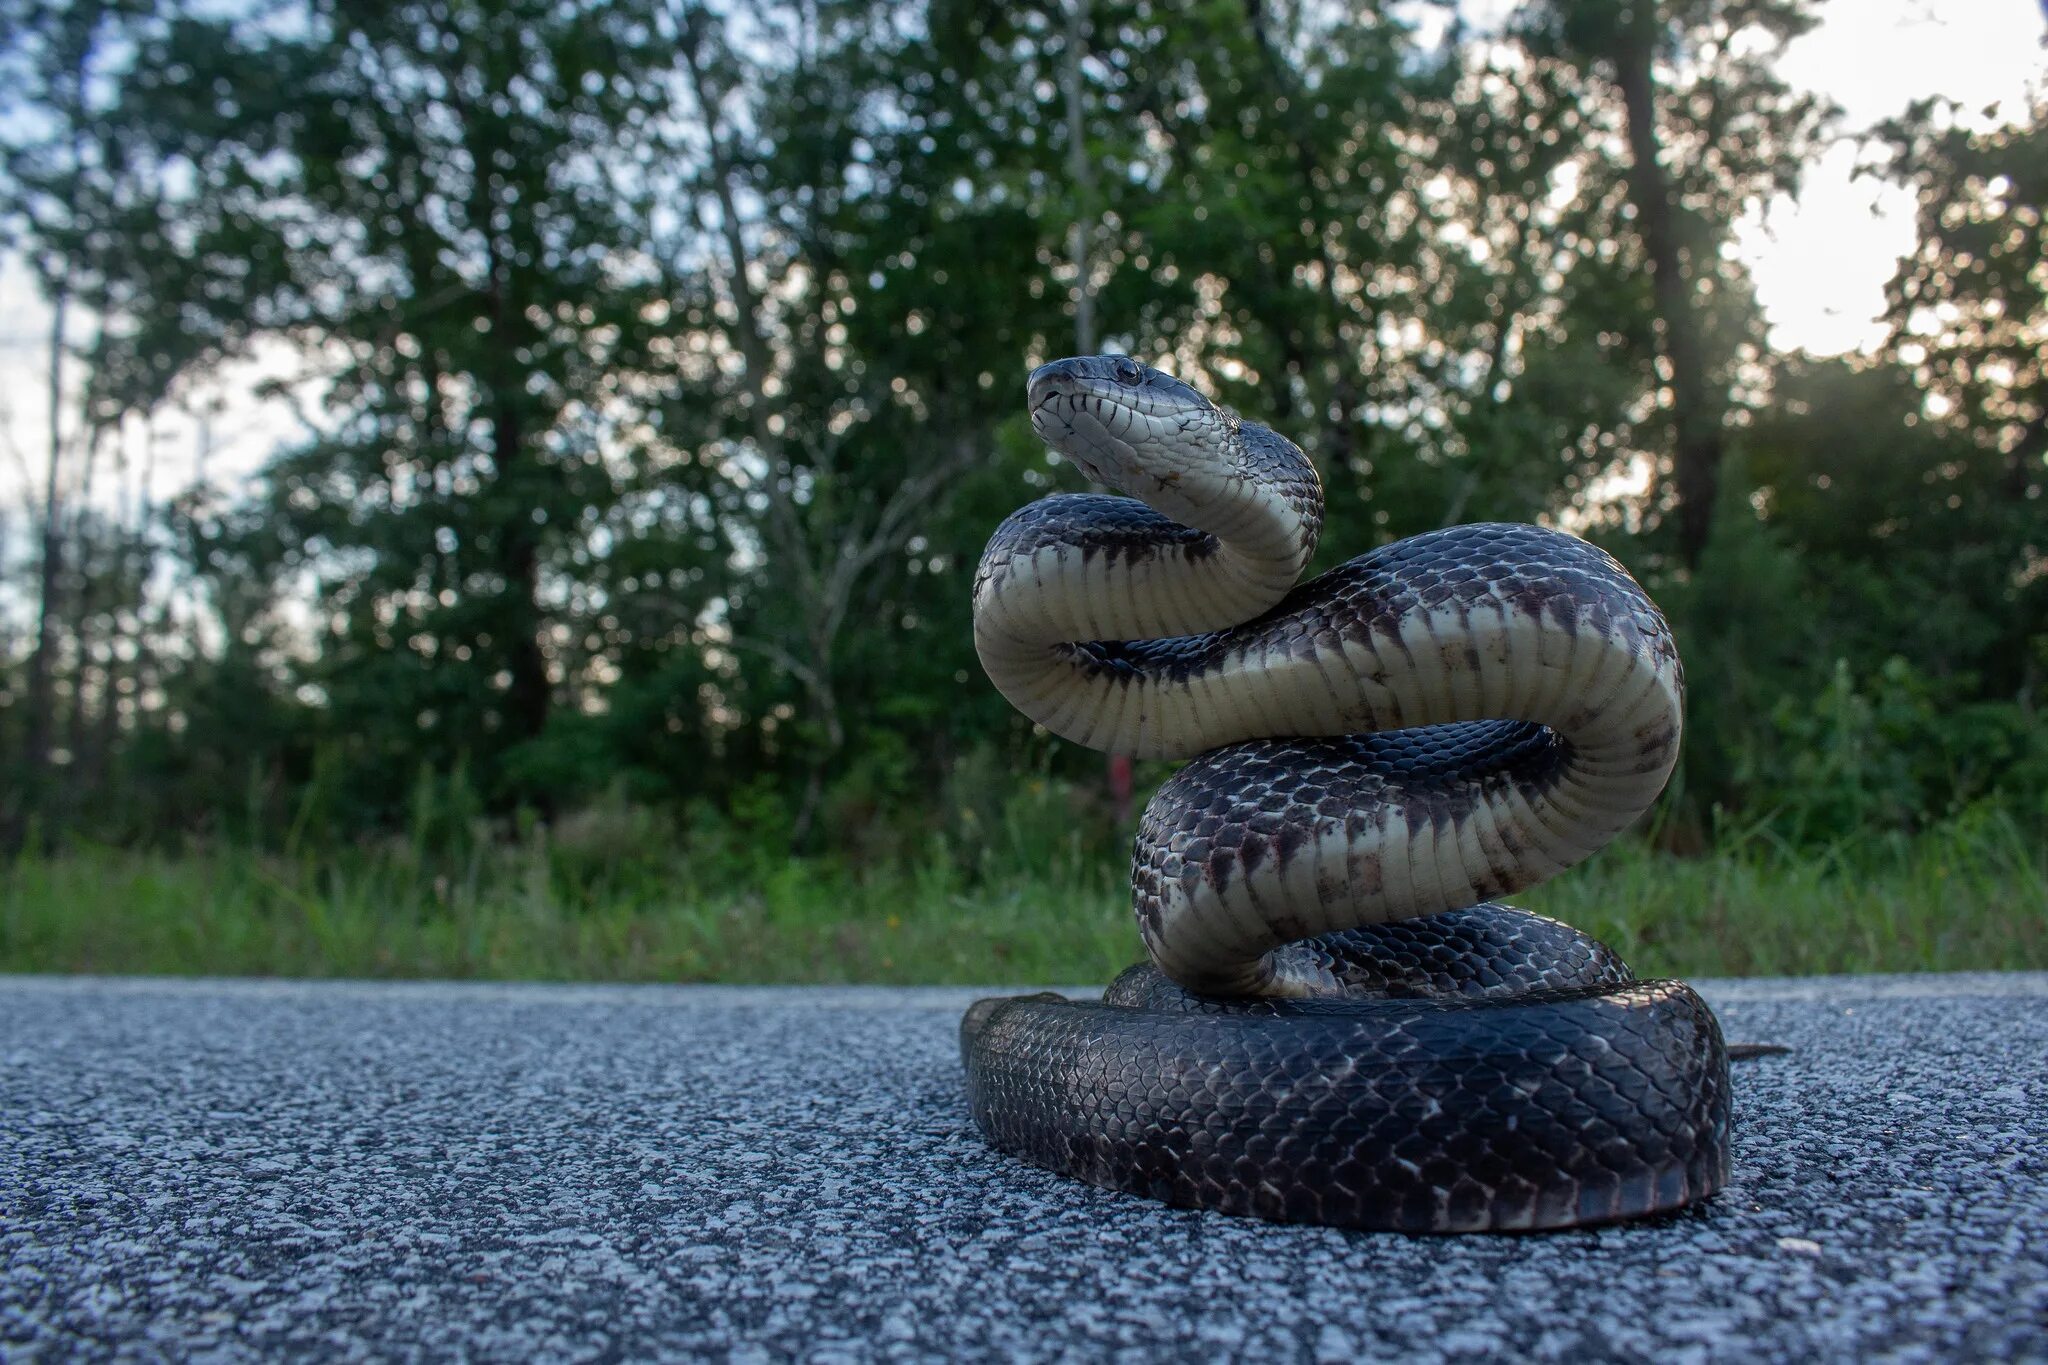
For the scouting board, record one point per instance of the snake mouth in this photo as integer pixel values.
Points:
(1076, 419)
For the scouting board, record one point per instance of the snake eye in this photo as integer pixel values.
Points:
(1127, 371)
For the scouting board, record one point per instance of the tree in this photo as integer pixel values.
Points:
(1968, 308)
(58, 186)
(1968, 313)
(663, 364)
(437, 204)
(1700, 126)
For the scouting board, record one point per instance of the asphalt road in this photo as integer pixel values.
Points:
(232, 1170)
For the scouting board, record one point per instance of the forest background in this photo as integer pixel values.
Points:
(659, 367)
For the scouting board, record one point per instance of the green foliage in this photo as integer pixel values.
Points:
(1882, 752)
(1969, 306)
(663, 365)
(1970, 893)
(1865, 633)
(618, 892)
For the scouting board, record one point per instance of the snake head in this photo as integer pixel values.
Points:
(1128, 425)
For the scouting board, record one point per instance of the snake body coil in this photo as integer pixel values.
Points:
(1336, 1026)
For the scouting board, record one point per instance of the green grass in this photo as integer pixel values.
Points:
(1969, 894)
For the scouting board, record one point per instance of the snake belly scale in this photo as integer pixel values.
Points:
(1337, 1024)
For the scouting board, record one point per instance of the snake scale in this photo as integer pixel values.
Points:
(1337, 1025)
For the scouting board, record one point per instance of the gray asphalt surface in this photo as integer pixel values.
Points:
(230, 1170)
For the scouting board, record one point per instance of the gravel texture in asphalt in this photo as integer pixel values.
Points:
(231, 1170)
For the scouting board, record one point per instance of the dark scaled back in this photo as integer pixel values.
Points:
(1237, 808)
(1483, 952)
(1094, 524)
(1279, 463)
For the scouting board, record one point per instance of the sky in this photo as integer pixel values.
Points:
(1820, 264)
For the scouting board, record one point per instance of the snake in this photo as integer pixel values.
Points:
(1338, 1022)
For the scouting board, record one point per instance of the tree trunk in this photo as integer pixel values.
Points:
(41, 700)
(1697, 458)
(90, 568)
(1117, 769)
(1339, 443)
(1083, 172)
(529, 693)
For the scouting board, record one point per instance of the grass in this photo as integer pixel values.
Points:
(1969, 894)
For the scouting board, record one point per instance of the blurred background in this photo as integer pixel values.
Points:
(492, 488)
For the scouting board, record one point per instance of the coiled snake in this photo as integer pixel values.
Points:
(1335, 1027)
